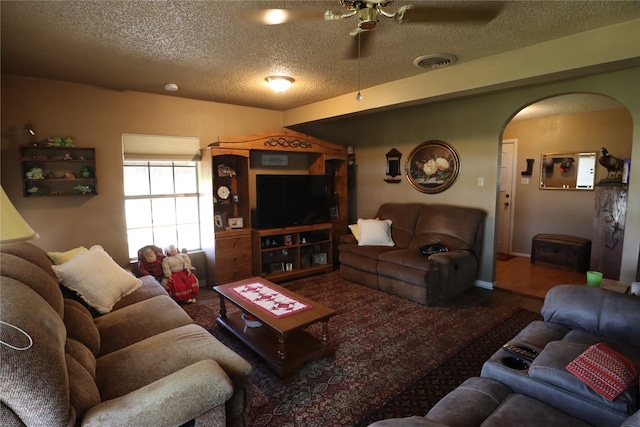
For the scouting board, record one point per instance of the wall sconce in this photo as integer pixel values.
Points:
(279, 83)
(32, 134)
(393, 166)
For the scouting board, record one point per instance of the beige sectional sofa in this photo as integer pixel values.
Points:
(145, 363)
(400, 269)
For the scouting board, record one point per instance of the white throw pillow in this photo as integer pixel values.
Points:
(375, 232)
(96, 278)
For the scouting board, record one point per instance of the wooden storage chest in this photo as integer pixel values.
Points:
(557, 250)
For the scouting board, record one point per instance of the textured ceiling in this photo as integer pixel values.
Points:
(568, 104)
(212, 55)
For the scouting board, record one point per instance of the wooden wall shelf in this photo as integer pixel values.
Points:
(67, 171)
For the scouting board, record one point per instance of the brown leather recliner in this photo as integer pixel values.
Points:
(401, 269)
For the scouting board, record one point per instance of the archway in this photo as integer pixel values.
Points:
(577, 122)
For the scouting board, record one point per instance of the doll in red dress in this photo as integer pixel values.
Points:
(182, 284)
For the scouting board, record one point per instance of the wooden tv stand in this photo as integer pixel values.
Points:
(233, 248)
(289, 252)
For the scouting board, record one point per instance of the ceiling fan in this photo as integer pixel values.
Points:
(370, 11)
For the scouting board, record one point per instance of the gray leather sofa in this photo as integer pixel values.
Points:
(484, 402)
(575, 317)
(542, 392)
(401, 270)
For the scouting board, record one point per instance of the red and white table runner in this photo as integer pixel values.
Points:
(269, 300)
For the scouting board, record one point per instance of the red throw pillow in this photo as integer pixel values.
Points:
(606, 371)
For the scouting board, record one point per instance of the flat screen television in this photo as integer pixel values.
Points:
(289, 200)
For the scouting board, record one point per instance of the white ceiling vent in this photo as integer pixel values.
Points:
(435, 60)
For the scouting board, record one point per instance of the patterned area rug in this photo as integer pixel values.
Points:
(393, 357)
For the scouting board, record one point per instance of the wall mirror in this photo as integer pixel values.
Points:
(568, 171)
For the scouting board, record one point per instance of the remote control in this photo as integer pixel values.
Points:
(523, 352)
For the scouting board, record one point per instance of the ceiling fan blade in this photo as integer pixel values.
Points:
(483, 12)
(279, 16)
(365, 43)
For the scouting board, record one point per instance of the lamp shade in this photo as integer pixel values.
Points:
(12, 227)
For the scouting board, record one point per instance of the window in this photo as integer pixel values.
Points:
(161, 204)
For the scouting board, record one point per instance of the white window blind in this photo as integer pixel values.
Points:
(157, 147)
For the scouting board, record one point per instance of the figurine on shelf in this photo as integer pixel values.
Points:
(82, 189)
(57, 141)
(182, 284)
(85, 172)
(224, 170)
(41, 191)
(36, 172)
(614, 166)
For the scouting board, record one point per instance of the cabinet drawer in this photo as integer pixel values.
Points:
(227, 259)
(233, 244)
(233, 273)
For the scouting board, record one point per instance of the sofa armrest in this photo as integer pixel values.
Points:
(348, 239)
(414, 421)
(457, 269)
(456, 255)
(169, 401)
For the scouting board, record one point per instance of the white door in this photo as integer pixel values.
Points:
(505, 220)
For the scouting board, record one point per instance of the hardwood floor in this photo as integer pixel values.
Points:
(519, 275)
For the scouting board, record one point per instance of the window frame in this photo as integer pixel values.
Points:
(148, 164)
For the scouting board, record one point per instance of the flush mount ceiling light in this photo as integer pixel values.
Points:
(171, 87)
(279, 83)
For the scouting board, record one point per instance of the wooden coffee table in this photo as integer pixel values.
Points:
(282, 342)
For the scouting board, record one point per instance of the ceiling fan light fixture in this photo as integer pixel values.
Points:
(368, 19)
(279, 83)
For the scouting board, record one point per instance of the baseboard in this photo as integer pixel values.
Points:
(519, 254)
(484, 284)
